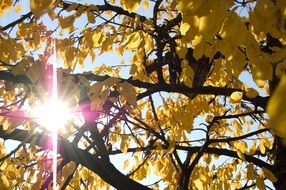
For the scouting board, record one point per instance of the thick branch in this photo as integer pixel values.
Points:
(71, 153)
(239, 137)
(182, 89)
(209, 150)
(109, 7)
(218, 91)
(229, 153)
(105, 169)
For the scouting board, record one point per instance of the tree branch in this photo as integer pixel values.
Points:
(14, 23)
(180, 88)
(209, 150)
(99, 166)
(109, 7)
(240, 137)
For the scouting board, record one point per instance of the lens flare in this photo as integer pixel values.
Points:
(55, 132)
(53, 114)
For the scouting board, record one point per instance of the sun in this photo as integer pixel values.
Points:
(52, 114)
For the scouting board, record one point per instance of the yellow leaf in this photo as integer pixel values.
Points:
(84, 174)
(197, 40)
(276, 108)
(4, 183)
(6, 124)
(72, 7)
(38, 7)
(269, 175)
(146, 4)
(227, 48)
(262, 70)
(17, 8)
(260, 83)
(120, 51)
(90, 17)
(240, 155)
(128, 92)
(130, 5)
(36, 186)
(96, 89)
(251, 93)
(280, 69)
(237, 63)
(262, 148)
(97, 37)
(124, 144)
(134, 41)
(133, 69)
(149, 44)
(184, 28)
(199, 184)
(11, 174)
(181, 49)
(125, 164)
(236, 97)
(260, 183)
(251, 174)
(171, 147)
(66, 22)
(111, 81)
(108, 14)
(205, 22)
(5, 6)
(199, 50)
(209, 118)
(189, 7)
(230, 26)
(187, 74)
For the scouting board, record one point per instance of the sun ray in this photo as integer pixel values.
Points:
(55, 131)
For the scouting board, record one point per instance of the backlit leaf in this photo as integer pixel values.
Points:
(4, 183)
(260, 183)
(251, 93)
(199, 184)
(66, 22)
(17, 8)
(240, 155)
(251, 174)
(125, 164)
(184, 28)
(128, 92)
(146, 4)
(5, 6)
(236, 97)
(269, 175)
(276, 108)
(130, 5)
(38, 7)
(90, 17)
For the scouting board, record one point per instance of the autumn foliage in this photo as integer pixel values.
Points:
(190, 93)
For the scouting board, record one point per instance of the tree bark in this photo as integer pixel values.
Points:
(280, 164)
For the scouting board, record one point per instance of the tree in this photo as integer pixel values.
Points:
(183, 108)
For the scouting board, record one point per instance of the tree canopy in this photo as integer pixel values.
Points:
(191, 94)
